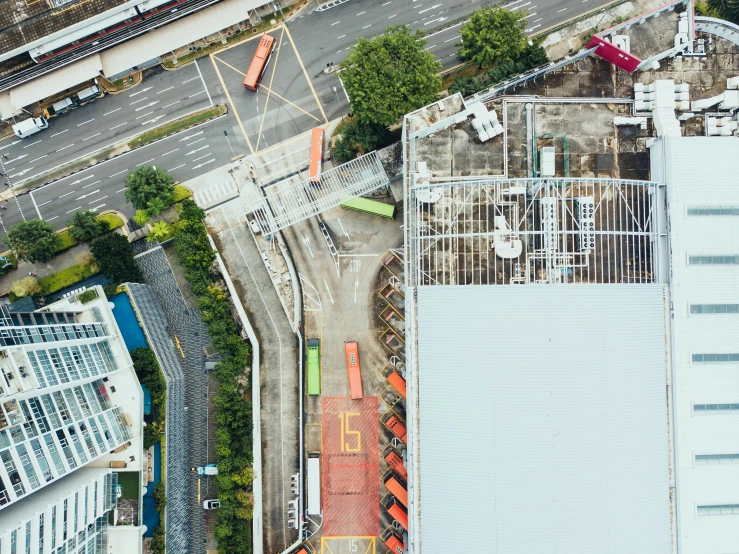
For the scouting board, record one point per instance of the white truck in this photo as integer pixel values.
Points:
(30, 126)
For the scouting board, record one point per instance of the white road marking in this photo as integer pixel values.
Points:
(44, 204)
(428, 9)
(396, 15)
(432, 46)
(146, 162)
(74, 209)
(200, 158)
(197, 150)
(165, 90)
(193, 142)
(21, 173)
(88, 194)
(306, 241)
(560, 11)
(121, 125)
(148, 113)
(361, 13)
(98, 200)
(114, 174)
(183, 82)
(108, 113)
(342, 36)
(140, 92)
(342, 227)
(367, 26)
(86, 122)
(147, 106)
(167, 153)
(124, 188)
(67, 194)
(386, 3)
(451, 39)
(335, 23)
(204, 85)
(96, 208)
(93, 136)
(93, 183)
(28, 145)
(61, 132)
(329, 291)
(190, 136)
(430, 21)
(70, 146)
(532, 28)
(52, 218)
(33, 160)
(16, 159)
(447, 29)
(179, 166)
(535, 20)
(196, 94)
(509, 6)
(532, 15)
(34, 205)
(139, 100)
(204, 163)
(172, 104)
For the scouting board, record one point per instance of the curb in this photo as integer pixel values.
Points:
(137, 80)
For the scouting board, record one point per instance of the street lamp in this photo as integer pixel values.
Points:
(225, 134)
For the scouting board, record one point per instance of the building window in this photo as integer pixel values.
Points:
(716, 358)
(713, 210)
(730, 259)
(717, 458)
(714, 308)
(712, 409)
(718, 509)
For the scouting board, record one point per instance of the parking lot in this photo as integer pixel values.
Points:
(286, 103)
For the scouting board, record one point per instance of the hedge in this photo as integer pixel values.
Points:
(181, 192)
(113, 221)
(67, 277)
(177, 125)
(67, 241)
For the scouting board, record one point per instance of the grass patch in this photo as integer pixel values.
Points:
(67, 277)
(179, 125)
(129, 482)
(113, 221)
(88, 296)
(119, 84)
(180, 193)
(470, 70)
(65, 241)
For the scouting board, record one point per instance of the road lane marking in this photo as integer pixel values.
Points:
(204, 163)
(183, 82)
(204, 85)
(167, 153)
(532, 28)
(179, 166)
(367, 26)
(96, 208)
(21, 173)
(44, 204)
(213, 59)
(139, 100)
(59, 133)
(393, 16)
(193, 142)
(305, 73)
(361, 13)
(140, 92)
(124, 188)
(34, 205)
(335, 23)
(93, 136)
(147, 106)
(432, 46)
(108, 113)
(428, 9)
(172, 104)
(535, 20)
(451, 39)
(196, 94)
(74, 209)
(197, 150)
(121, 125)
(98, 200)
(448, 28)
(88, 194)
(148, 113)
(114, 174)
(165, 90)
(560, 11)
(70, 146)
(329, 291)
(16, 159)
(146, 162)
(67, 194)
(93, 183)
(386, 3)
(31, 144)
(86, 122)
(33, 160)
(200, 158)
(190, 136)
(342, 36)
(532, 15)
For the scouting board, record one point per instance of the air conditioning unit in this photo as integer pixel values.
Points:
(292, 523)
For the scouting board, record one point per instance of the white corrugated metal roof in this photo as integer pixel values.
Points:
(161, 41)
(702, 172)
(543, 419)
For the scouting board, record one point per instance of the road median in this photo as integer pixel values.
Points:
(123, 147)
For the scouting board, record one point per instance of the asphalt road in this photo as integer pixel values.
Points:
(298, 85)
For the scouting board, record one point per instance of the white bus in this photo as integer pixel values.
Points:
(314, 484)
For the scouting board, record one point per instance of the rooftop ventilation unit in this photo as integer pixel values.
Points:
(586, 219)
(485, 123)
(505, 243)
(549, 223)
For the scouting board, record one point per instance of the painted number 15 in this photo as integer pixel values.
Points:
(346, 432)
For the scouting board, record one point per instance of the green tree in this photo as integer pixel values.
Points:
(141, 217)
(84, 225)
(147, 183)
(343, 151)
(390, 75)
(493, 36)
(726, 9)
(159, 231)
(160, 497)
(191, 211)
(114, 255)
(155, 206)
(157, 540)
(33, 240)
(466, 86)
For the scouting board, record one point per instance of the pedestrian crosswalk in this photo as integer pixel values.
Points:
(209, 196)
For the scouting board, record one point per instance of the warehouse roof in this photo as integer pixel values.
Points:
(543, 419)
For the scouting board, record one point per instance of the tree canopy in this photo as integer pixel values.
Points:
(114, 255)
(150, 188)
(390, 75)
(84, 225)
(33, 240)
(493, 36)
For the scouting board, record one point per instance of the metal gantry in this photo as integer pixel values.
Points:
(554, 230)
(296, 198)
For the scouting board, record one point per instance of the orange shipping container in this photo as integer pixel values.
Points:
(394, 544)
(397, 382)
(398, 490)
(398, 429)
(354, 370)
(396, 462)
(316, 155)
(397, 512)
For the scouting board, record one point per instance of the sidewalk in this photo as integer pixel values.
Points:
(57, 263)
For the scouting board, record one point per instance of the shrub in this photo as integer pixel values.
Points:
(33, 240)
(85, 225)
(146, 185)
(181, 192)
(141, 217)
(28, 286)
(67, 277)
(157, 541)
(65, 241)
(111, 220)
(160, 498)
(88, 296)
(115, 255)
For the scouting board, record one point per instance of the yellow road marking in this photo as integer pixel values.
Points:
(233, 106)
(271, 78)
(229, 65)
(253, 37)
(291, 103)
(300, 61)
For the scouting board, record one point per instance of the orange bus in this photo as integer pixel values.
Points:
(259, 62)
(394, 460)
(397, 382)
(397, 512)
(316, 156)
(355, 372)
(397, 489)
(396, 427)
(394, 543)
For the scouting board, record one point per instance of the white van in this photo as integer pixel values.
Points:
(30, 126)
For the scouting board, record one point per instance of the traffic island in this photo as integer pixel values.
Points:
(173, 127)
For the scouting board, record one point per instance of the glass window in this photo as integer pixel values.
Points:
(714, 308)
(713, 210)
(718, 509)
(731, 259)
(717, 458)
(713, 409)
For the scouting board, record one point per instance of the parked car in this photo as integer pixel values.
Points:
(211, 504)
